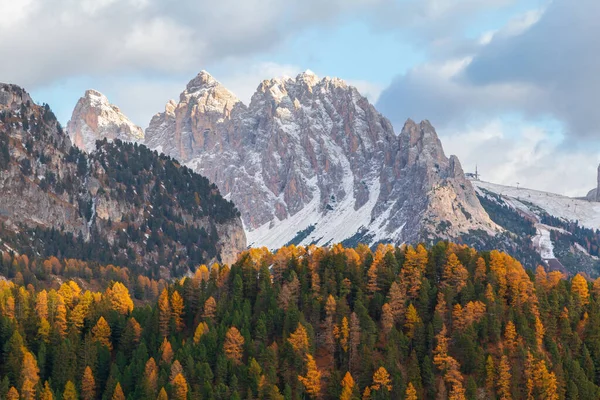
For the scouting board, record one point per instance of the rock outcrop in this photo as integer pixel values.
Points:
(121, 204)
(94, 118)
(310, 160)
(594, 194)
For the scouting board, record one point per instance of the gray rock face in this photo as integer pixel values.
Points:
(313, 155)
(94, 118)
(594, 194)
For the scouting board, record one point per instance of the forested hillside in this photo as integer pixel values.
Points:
(339, 323)
(122, 204)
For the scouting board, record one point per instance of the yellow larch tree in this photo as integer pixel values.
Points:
(70, 392)
(415, 262)
(347, 387)
(47, 392)
(180, 388)
(119, 297)
(411, 392)
(30, 375)
(118, 393)
(480, 270)
(13, 394)
(510, 336)
(579, 287)
(101, 333)
(177, 310)
(455, 275)
(312, 380)
(164, 313)
(162, 395)
(210, 308)
(150, 376)
(397, 298)
(344, 334)
(381, 380)
(88, 385)
(299, 340)
(166, 351)
(504, 378)
(411, 320)
(387, 318)
(201, 329)
(41, 305)
(233, 346)
(60, 317)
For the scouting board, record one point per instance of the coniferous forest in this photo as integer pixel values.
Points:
(301, 323)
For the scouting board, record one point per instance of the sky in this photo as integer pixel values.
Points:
(510, 85)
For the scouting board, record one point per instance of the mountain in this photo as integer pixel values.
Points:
(563, 230)
(121, 204)
(310, 160)
(94, 118)
(594, 194)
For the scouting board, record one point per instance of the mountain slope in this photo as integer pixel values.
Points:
(309, 160)
(94, 118)
(121, 204)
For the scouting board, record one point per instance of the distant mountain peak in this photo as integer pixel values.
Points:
(95, 118)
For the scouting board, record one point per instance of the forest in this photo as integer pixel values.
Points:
(444, 322)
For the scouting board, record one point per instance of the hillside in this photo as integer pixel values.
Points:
(311, 323)
(123, 204)
(566, 229)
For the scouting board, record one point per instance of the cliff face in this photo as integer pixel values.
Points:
(123, 203)
(94, 118)
(309, 160)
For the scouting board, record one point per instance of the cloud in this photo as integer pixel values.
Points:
(49, 40)
(517, 151)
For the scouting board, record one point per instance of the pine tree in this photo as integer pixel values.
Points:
(88, 385)
(312, 380)
(101, 333)
(177, 310)
(164, 313)
(233, 346)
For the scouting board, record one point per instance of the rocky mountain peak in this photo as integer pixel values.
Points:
(312, 161)
(202, 81)
(13, 96)
(95, 118)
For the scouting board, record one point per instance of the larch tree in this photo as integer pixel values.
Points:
(201, 329)
(150, 376)
(210, 308)
(88, 385)
(344, 334)
(396, 299)
(312, 380)
(118, 393)
(411, 392)
(164, 313)
(47, 392)
(101, 333)
(70, 392)
(13, 394)
(60, 317)
(180, 388)
(411, 320)
(348, 387)
(41, 305)
(354, 356)
(387, 318)
(299, 340)
(504, 379)
(162, 395)
(233, 346)
(177, 310)
(510, 336)
(381, 380)
(480, 270)
(455, 275)
(176, 369)
(490, 376)
(166, 351)
(579, 287)
(120, 299)
(30, 376)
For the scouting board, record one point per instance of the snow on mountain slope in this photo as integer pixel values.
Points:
(587, 213)
(310, 160)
